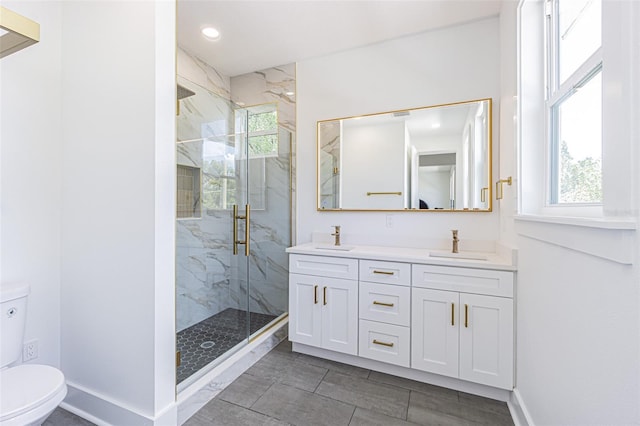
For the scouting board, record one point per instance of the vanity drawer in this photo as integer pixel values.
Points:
(324, 266)
(385, 303)
(479, 281)
(376, 271)
(384, 342)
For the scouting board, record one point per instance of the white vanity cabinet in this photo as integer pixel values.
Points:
(463, 334)
(323, 302)
(402, 312)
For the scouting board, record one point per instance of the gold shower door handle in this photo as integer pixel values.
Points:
(236, 217)
(483, 194)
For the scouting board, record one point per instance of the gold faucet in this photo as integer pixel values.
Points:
(455, 241)
(337, 234)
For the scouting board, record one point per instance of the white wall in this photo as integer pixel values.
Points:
(118, 209)
(30, 140)
(449, 65)
(578, 299)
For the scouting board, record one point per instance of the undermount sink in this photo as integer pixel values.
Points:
(470, 256)
(334, 247)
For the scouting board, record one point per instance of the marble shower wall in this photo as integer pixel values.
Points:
(203, 261)
(271, 228)
(208, 278)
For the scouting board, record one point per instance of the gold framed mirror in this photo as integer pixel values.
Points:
(431, 159)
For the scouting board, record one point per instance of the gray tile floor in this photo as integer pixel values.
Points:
(288, 388)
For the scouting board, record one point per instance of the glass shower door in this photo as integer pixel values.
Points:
(233, 226)
(211, 302)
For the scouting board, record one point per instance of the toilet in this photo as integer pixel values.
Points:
(28, 392)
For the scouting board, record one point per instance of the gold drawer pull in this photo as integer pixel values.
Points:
(375, 302)
(377, 342)
(383, 272)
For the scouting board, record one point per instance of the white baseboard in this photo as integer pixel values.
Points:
(518, 409)
(104, 411)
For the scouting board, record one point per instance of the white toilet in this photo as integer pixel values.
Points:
(28, 392)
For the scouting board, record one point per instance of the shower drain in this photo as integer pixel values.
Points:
(207, 345)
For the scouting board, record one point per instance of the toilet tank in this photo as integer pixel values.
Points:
(13, 315)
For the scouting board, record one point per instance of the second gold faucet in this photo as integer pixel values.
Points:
(337, 234)
(454, 249)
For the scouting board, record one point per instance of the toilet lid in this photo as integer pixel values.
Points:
(27, 386)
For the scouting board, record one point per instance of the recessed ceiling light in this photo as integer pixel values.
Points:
(435, 126)
(211, 33)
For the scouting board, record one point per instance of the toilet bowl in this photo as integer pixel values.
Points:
(28, 392)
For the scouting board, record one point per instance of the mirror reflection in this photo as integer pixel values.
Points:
(425, 159)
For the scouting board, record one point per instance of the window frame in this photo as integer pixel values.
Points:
(557, 92)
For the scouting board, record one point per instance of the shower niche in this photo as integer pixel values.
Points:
(231, 268)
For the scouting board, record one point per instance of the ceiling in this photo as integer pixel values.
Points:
(261, 34)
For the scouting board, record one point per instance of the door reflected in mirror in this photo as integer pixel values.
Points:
(434, 158)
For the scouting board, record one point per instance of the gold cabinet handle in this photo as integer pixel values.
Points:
(315, 294)
(375, 302)
(466, 315)
(324, 295)
(382, 272)
(377, 342)
(452, 315)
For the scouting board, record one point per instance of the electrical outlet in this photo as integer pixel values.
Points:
(30, 350)
(389, 221)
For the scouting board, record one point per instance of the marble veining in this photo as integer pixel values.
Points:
(209, 278)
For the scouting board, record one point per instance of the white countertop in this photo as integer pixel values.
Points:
(410, 255)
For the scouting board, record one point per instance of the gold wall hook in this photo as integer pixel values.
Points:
(499, 192)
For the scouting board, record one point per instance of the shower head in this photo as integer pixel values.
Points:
(183, 92)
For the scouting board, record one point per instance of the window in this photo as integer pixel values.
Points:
(574, 101)
(263, 133)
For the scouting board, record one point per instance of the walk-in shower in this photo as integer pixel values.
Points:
(233, 216)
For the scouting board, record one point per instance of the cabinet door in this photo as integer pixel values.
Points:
(434, 331)
(486, 340)
(304, 309)
(340, 315)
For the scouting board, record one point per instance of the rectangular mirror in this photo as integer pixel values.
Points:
(435, 158)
